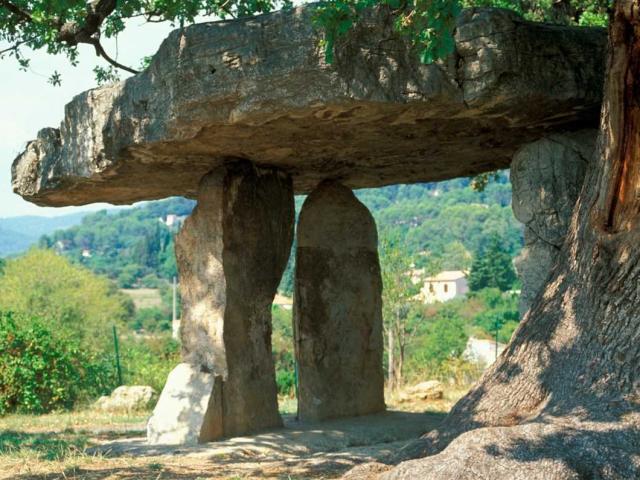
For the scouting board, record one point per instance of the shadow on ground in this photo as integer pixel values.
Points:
(295, 438)
(319, 450)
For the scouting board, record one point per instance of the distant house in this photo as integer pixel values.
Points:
(86, 253)
(62, 245)
(444, 286)
(171, 220)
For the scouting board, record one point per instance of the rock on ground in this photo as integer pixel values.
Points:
(259, 89)
(127, 398)
(429, 390)
(189, 410)
(338, 307)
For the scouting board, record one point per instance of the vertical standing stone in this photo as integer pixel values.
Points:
(338, 307)
(231, 254)
(546, 178)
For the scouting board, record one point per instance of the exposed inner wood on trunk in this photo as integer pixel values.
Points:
(625, 201)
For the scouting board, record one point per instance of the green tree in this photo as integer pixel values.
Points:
(398, 296)
(40, 372)
(492, 267)
(500, 313)
(71, 299)
(59, 27)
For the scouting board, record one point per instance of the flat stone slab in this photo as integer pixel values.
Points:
(260, 89)
(189, 410)
(296, 439)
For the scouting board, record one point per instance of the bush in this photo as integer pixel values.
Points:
(152, 319)
(148, 361)
(286, 382)
(150, 281)
(72, 300)
(501, 313)
(282, 346)
(40, 373)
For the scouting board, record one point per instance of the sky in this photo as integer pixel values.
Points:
(28, 103)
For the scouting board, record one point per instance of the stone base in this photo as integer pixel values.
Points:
(189, 410)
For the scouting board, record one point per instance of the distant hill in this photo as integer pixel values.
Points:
(17, 234)
(133, 246)
(442, 225)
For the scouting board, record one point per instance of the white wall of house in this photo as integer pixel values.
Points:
(444, 286)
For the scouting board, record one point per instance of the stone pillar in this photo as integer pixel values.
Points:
(338, 307)
(546, 178)
(231, 254)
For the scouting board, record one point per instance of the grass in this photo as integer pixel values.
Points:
(61, 437)
(55, 445)
(287, 405)
(58, 446)
(75, 420)
(42, 446)
(144, 297)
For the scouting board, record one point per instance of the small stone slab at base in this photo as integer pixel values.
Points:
(189, 410)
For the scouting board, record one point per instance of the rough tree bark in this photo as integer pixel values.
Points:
(391, 365)
(563, 400)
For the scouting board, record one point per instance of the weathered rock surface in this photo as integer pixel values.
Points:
(260, 89)
(189, 410)
(546, 178)
(231, 254)
(338, 307)
(127, 398)
(542, 450)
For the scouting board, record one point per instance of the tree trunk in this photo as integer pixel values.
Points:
(563, 400)
(391, 373)
(401, 349)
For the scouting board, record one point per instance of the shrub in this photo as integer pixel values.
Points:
(148, 361)
(282, 342)
(152, 319)
(501, 314)
(72, 300)
(40, 373)
(286, 382)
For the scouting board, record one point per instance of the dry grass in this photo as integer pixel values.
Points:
(144, 297)
(62, 446)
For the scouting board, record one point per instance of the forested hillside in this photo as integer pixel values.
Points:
(447, 221)
(442, 225)
(18, 233)
(133, 246)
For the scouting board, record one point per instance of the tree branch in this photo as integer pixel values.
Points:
(25, 16)
(101, 52)
(73, 33)
(14, 47)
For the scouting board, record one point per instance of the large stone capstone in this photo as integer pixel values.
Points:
(260, 89)
(231, 254)
(546, 177)
(338, 307)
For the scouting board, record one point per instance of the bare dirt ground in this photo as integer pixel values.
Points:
(96, 447)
